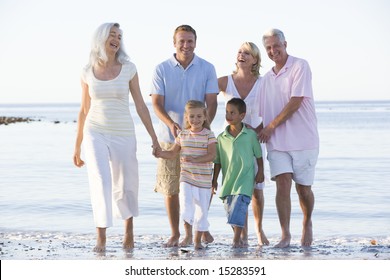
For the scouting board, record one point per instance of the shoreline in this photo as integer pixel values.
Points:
(53, 246)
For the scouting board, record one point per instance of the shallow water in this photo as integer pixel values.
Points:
(42, 193)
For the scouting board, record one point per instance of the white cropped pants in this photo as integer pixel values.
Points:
(113, 176)
(194, 206)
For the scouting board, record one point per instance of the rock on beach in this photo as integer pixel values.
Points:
(8, 120)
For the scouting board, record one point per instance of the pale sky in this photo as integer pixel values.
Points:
(45, 43)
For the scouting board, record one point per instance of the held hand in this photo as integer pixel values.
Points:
(157, 152)
(156, 149)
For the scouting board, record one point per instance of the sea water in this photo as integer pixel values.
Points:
(42, 191)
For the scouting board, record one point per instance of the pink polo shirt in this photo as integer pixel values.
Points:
(299, 132)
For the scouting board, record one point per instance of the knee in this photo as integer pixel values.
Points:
(258, 195)
(284, 180)
(283, 185)
(304, 192)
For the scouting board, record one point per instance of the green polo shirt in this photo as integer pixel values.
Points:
(236, 156)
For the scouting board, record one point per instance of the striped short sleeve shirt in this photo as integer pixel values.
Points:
(196, 144)
(109, 112)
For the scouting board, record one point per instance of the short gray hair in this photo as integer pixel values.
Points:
(274, 32)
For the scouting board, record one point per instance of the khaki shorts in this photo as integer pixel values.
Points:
(168, 173)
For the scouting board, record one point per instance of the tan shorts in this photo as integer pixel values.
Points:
(168, 173)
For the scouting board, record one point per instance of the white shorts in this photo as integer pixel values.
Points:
(113, 176)
(300, 163)
(194, 205)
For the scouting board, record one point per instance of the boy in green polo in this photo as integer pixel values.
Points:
(237, 147)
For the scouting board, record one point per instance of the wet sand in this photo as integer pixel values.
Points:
(51, 246)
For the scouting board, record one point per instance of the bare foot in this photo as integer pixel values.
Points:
(186, 241)
(240, 244)
(262, 239)
(307, 235)
(172, 242)
(284, 243)
(198, 246)
(236, 245)
(100, 245)
(128, 241)
(207, 237)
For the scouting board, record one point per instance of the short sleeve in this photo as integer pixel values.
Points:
(132, 70)
(84, 74)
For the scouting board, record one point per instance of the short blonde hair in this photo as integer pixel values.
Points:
(255, 52)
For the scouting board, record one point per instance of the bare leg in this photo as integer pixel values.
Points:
(258, 208)
(206, 235)
(283, 205)
(237, 242)
(188, 238)
(244, 232)
(306, 200)
(128, 239)
(101, 240)
(173, 210)
(197, 241)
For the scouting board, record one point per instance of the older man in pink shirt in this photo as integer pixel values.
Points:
(290, 130)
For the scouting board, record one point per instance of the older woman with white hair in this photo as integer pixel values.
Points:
(106, 128)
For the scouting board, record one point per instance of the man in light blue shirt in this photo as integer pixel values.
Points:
(183, 77)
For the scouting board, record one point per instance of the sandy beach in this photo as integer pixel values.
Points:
(54, 256)
(52, 246)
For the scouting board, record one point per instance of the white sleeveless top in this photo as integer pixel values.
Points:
(109, 112)
(252, 109)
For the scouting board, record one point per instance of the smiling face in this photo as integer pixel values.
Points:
(245, 58)
(185, 44)
(114, 40)
(276, 50)
(195, 117)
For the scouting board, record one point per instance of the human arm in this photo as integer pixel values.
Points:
(214, 182)
(211, 103)
(158, 106)
(169, 154)
(222, 84)
(142, 111)
(260, 170)
(208, 157)
(84, 109)
(291, 107)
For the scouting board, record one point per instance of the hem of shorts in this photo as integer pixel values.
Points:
(235, 225)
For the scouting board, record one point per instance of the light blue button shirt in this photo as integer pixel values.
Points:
(178, 85)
